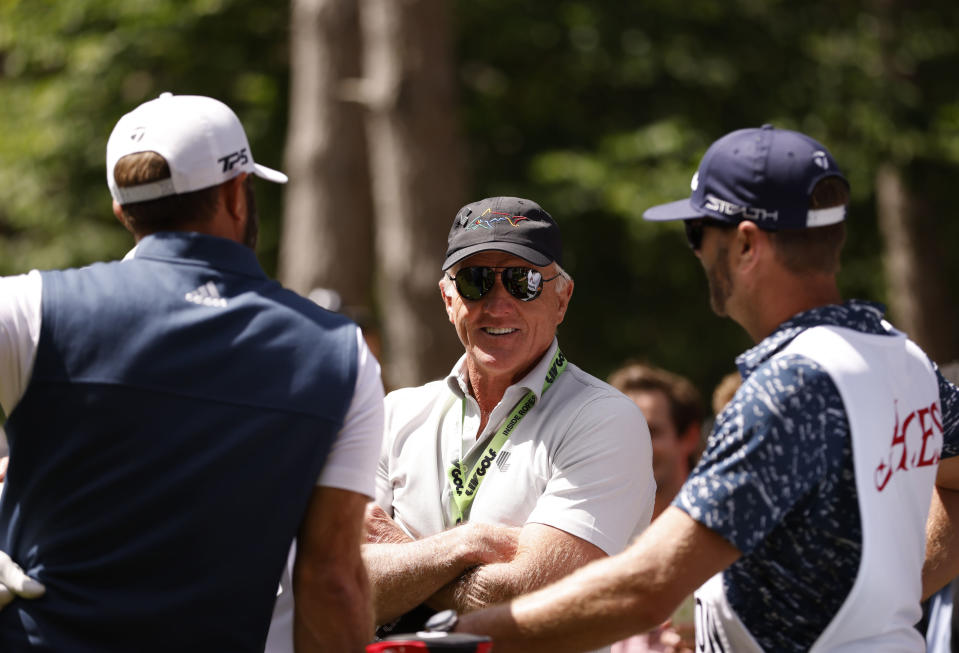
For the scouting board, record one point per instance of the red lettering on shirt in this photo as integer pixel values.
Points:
(900, 439)
(934, 410)
(928, 441)
(926, 434)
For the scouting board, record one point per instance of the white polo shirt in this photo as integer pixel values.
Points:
(580, 460)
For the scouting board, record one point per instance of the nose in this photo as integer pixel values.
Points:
(498, 299)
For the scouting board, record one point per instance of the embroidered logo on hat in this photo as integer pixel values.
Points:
(491, 217)
(508, 224)
(233, 158)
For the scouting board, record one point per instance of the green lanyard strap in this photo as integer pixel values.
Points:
(465, 482)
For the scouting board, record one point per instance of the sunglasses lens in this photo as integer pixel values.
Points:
(695, 229)
(473, 283)
(523, 283)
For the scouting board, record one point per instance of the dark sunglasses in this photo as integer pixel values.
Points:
(525, 284)
(694, 230)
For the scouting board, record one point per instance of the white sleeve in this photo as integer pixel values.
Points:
(602, 489)
(19, 334)
(351, 464)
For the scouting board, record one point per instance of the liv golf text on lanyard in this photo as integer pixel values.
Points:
(465, 482)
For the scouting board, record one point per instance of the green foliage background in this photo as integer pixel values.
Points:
(602, 109)
(71, 69)
(595, 108)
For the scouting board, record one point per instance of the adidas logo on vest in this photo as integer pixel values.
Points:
(206, 295)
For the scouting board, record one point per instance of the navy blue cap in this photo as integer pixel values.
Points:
(765, 175)
(507, 224)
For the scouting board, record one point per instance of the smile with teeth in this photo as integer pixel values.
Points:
(498, 332)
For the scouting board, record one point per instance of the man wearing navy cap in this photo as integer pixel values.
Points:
(803, 524)
(177, 418)
(543, 466)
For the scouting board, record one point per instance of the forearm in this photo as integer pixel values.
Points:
(405, 575)
(331, 591)
(942, 543)
(611, 598)
(532, 568)
(334, 611)
(580, 612)
(942, 536)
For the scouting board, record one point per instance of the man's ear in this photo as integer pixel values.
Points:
(232, 212)
(234, 197)
(118, 212)
(750, 244)
(447, 297)
(563, 299)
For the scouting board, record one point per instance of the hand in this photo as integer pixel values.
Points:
(673, 642)
(381, 528)
(681, 627)
(490, 543)
(13, 582)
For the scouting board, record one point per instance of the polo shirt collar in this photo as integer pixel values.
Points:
(863, 316)
(458, 379)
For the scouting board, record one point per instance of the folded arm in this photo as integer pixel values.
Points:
(405, 572)
(544, 554)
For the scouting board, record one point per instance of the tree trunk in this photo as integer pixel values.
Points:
(912, 196)
(327, 227)
(919, 300)
(416, 159)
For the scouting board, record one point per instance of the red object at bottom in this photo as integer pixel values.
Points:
(420, 642)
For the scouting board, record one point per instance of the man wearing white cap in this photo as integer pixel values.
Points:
(177, 418)
(803, 524)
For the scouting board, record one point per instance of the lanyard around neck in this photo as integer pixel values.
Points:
(465, 482)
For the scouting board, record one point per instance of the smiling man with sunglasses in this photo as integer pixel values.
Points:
(803, 523)
(518, 467)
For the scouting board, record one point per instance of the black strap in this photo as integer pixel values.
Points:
(410, 622)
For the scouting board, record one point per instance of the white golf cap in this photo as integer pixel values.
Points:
(200, 138)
